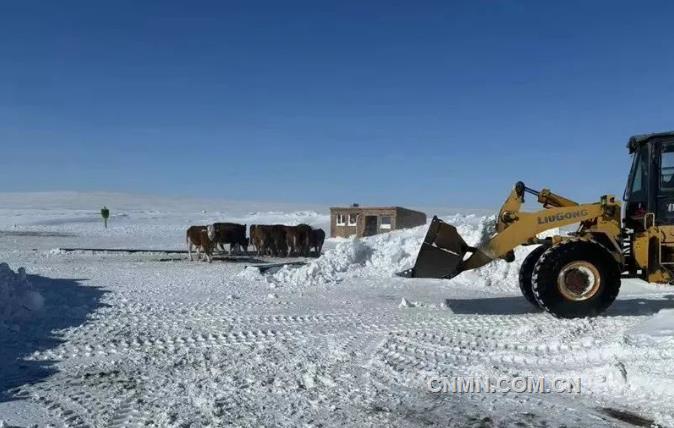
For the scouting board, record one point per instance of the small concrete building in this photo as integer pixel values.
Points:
(367, 221)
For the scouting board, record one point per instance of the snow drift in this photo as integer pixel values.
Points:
(384, 255)
(18, 300)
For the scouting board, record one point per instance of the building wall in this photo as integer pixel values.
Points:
(400, 218)
(409, 218)
(376, 212)
(343, 231)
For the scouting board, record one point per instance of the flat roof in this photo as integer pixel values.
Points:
(373, 208)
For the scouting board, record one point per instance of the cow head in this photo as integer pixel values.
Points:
(210, 230)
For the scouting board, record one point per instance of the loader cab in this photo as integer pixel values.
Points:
(650, 186)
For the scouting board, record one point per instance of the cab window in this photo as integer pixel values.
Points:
(638, 186)
(667, 167)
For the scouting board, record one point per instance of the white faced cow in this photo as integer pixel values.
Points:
(201, 237)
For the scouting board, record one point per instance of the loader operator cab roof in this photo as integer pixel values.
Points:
(638, 140)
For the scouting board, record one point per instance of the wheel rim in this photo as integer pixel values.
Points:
(578, 281)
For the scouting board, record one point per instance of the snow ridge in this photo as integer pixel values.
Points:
(384, 255)
(18, 300)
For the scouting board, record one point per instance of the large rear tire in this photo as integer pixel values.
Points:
(526, 271)
(576, 279)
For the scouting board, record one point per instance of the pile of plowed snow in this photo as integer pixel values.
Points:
(384, 255)
(18, 300)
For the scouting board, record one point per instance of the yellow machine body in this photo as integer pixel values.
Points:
(578, 273)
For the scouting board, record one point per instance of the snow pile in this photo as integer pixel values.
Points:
(384, 255)
(251, 273)
(17, 297)
(404, 303)
(331, 267)
(499, 273)
(659, 327)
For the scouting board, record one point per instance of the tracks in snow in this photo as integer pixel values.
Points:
(130, 362)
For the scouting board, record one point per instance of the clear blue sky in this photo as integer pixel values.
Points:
(415, 103)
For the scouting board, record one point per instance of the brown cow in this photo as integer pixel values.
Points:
(317, 240)
(301, 237)
(201, 237)
(269, 239)
(260, 236)
(293, 239)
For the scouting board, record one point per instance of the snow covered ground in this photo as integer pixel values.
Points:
(150, 339)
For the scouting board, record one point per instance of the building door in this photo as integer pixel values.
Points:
(370, 225)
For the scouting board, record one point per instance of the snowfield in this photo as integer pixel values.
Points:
(150, 339)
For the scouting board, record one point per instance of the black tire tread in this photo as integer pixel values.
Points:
(526, 272)
(576, 249)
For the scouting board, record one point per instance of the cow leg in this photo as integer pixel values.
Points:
(189, 250)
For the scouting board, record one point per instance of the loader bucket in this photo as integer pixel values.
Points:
(441, 253)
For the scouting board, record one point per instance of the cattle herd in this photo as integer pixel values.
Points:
(275, 240)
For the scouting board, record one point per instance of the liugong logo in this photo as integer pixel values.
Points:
(561, 217)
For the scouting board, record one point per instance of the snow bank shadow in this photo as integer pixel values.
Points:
(225, 258)
(67, 304)
(640, 306)
(517, 305)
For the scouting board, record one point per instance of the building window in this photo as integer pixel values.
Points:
(353, 219)
(341, 219)
(385, 222)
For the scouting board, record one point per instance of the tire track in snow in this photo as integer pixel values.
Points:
(412, 355)
(286, 327)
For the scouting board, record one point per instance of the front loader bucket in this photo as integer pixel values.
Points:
(441, 253)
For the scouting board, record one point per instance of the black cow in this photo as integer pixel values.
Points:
(278, 241)
(233, 234)
(317, 240)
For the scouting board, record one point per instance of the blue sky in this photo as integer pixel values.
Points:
(413, 103)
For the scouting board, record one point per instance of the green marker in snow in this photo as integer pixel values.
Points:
(105, 213)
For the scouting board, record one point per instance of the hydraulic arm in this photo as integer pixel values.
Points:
(445, 254)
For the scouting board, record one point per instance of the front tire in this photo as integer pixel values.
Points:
(526, 271)
(576, 279)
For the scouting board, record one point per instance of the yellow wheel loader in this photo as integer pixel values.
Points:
(577, 274)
